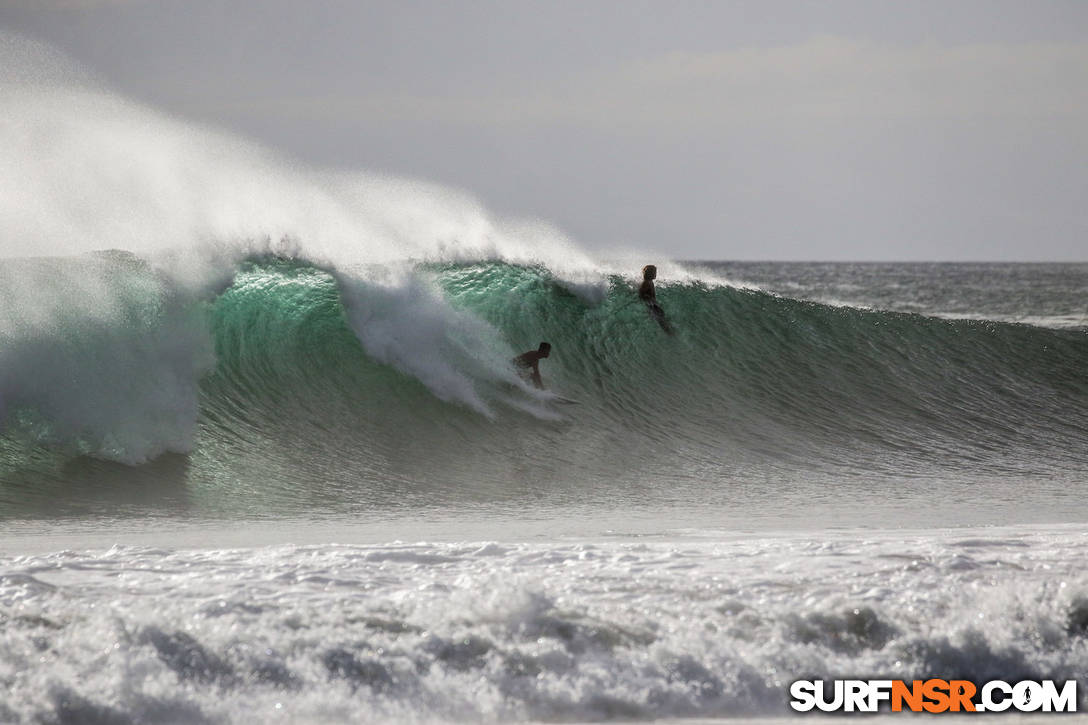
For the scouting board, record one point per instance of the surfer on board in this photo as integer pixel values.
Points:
(648, 294)
(528, 364)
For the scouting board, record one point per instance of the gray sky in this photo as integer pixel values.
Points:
(723, 130)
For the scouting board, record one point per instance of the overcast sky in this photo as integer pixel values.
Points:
(706, 130)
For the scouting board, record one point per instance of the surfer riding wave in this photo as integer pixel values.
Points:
(648, 295)
(528, 364)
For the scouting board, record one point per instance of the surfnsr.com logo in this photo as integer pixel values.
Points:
(933, 695)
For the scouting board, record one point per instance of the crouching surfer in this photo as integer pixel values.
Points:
(648, 295)
(528, 364)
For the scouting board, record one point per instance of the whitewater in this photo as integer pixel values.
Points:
(264, 455)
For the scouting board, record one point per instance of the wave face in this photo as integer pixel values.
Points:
(315, 383)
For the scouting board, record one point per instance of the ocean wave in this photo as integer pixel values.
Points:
(121, 362)
(271, 324)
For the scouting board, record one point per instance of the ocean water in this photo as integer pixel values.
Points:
(264, 457)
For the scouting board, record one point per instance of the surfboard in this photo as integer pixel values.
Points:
(546, 396)
(658, 315)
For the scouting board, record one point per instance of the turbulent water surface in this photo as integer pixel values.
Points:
(558, 631)
(264, 456)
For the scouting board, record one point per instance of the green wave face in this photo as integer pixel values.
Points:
(329, 388)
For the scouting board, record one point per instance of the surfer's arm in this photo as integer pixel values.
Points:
(536, 377)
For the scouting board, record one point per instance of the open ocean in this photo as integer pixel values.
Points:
(264, 458)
